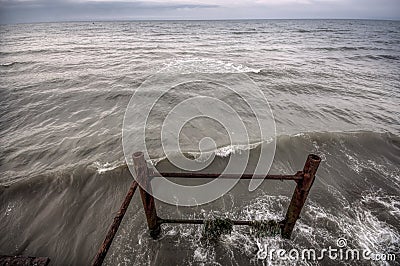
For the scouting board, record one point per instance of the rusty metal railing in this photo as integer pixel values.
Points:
(304, 180)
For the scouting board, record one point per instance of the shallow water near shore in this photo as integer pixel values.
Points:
(333, 87)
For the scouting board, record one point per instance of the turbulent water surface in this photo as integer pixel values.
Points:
(333, 88)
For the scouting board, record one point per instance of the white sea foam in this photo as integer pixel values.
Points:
(358, 225)
(107, 166)
(9, 208)
(204, 65)
(224, 151)
(389, 202)
(391, 175)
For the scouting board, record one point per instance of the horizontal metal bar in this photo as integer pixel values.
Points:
(179, 221)
(297, 176)
(198, 221)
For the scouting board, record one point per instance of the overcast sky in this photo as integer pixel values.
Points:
(14, 11)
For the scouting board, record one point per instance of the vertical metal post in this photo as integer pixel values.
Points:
(149, 206)
(300, 194)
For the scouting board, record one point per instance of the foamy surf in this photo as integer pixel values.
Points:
(102, 168)
(204, 65)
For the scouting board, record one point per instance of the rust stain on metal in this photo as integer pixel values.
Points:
(300, 194)
(230, 176)
(145, 193)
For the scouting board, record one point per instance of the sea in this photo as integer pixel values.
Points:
(332, 86)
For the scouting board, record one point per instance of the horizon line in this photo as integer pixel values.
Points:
(222, 19)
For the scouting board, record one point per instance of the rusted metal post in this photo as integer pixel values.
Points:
(300, 194)
(101, 254)
(149, 206)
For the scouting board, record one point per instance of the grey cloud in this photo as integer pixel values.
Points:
(98, 4)
(58, 10)
(12, 11)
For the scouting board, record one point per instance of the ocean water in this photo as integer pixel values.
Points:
(334, 90)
